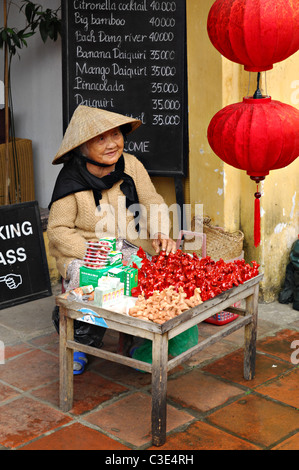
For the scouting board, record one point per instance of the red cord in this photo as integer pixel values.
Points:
(257, 218)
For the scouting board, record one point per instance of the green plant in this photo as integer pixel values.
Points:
(12, 40)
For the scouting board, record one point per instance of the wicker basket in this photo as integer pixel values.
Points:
(219, 243)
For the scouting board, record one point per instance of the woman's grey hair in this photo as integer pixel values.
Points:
(83, 150)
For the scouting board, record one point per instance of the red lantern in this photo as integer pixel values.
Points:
(256, 135)
(255, 33)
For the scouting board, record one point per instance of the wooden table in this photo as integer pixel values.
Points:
(159, 335)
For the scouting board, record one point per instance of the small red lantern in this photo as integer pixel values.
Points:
(256, 135)
(255, 33)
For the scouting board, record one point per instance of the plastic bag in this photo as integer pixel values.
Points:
(286, 295)
(294, 255)
(176, 345)
(296, 290)
(84, 333)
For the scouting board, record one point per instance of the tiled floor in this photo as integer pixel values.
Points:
(210, 405)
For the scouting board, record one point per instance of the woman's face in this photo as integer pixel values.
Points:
(107, 147)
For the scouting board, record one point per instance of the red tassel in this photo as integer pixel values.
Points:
(257, 219)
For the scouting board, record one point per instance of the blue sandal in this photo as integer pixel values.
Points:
(80, 361)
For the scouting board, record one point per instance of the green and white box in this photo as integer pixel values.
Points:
(90, 276)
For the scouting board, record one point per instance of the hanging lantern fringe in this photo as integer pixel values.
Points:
(257, 211)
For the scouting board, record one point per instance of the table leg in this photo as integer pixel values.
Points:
(66, 332)
(159, 388)
(250, 335)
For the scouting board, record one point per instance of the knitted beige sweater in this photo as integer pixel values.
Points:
(75, 219)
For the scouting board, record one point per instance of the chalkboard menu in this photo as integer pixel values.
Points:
(129, 57)
(24, 274)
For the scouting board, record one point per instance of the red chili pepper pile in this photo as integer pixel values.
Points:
(189, 272)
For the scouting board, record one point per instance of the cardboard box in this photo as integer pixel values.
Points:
(108, 296)
(127, 275)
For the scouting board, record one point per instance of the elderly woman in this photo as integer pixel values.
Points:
(98, 193)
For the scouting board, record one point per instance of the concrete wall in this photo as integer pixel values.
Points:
(225, 192)
(37, 100)
(279, 201)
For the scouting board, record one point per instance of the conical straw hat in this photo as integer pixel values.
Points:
(87, 123)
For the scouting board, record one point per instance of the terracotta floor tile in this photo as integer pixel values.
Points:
(26, 419)
(261, 421)
(30, 370)
(44, 340)
(90, 390)
(284, 389)
(7, 392)
(200, 391)
(230, 367)
(49, 342)
(122, 374)
(211, 352)
(129, 418)
(280, 344)
(203, 436)
(292, 443)
(208, 329)
(236, 337)
(75, 437)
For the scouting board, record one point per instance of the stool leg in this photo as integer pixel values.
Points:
(159, 388)
(250, 335)
(66, 332)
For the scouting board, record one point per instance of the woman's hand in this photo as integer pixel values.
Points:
(162, 242)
